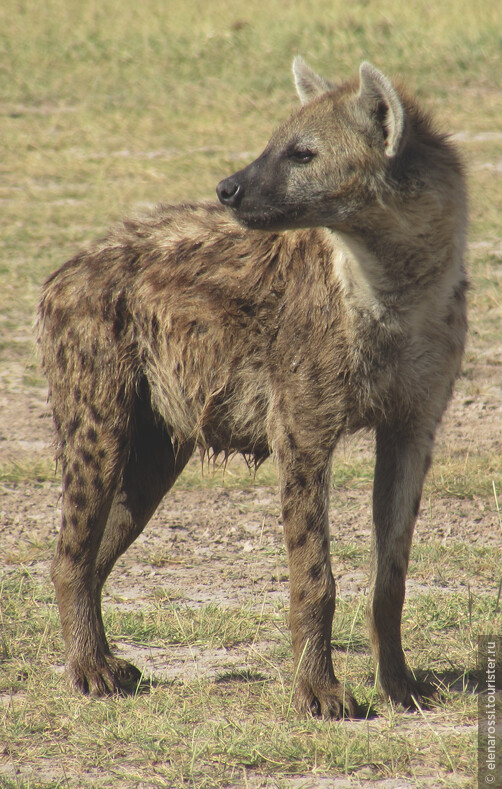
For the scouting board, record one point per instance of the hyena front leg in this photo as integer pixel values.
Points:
(402, 460)
(304, 494)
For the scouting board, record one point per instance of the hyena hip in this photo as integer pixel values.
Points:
(326, 295)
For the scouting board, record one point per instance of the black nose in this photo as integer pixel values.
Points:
(230, 192)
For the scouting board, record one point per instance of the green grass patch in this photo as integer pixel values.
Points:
(210, 626)
(37, 470)
(209, 732)
(469, 477)
(182, 747)
(445, 563)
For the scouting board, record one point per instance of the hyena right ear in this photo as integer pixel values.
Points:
(308, 83)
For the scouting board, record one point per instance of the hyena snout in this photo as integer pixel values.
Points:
(230, 192)
(249, 190)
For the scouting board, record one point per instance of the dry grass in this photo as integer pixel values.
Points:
(208, 731)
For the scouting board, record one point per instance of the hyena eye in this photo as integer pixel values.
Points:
(301, 156)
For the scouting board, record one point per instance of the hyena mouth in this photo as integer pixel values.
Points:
(254, 207)
(257, 215)
(273, 221)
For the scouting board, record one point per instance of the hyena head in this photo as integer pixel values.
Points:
(328, 161)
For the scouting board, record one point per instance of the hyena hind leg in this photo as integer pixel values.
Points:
(92, 459)
(111, 486)
(154, 464)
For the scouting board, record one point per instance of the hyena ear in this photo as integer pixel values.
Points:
(379, 97)
(308, 83)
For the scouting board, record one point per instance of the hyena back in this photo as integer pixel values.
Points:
(326, 295)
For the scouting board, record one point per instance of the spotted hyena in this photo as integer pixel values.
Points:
(325, 294)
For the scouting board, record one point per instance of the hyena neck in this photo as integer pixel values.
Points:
(382, 275)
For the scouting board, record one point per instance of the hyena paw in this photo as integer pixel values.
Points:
(411, 693)
(111, 675)
(333, 701)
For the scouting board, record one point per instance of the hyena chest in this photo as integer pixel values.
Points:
(394, 373)
(341, 377)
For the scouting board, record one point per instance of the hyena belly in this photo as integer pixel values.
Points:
(221, 406)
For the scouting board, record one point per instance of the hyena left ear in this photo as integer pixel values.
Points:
(308, 83)
(377, 94)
